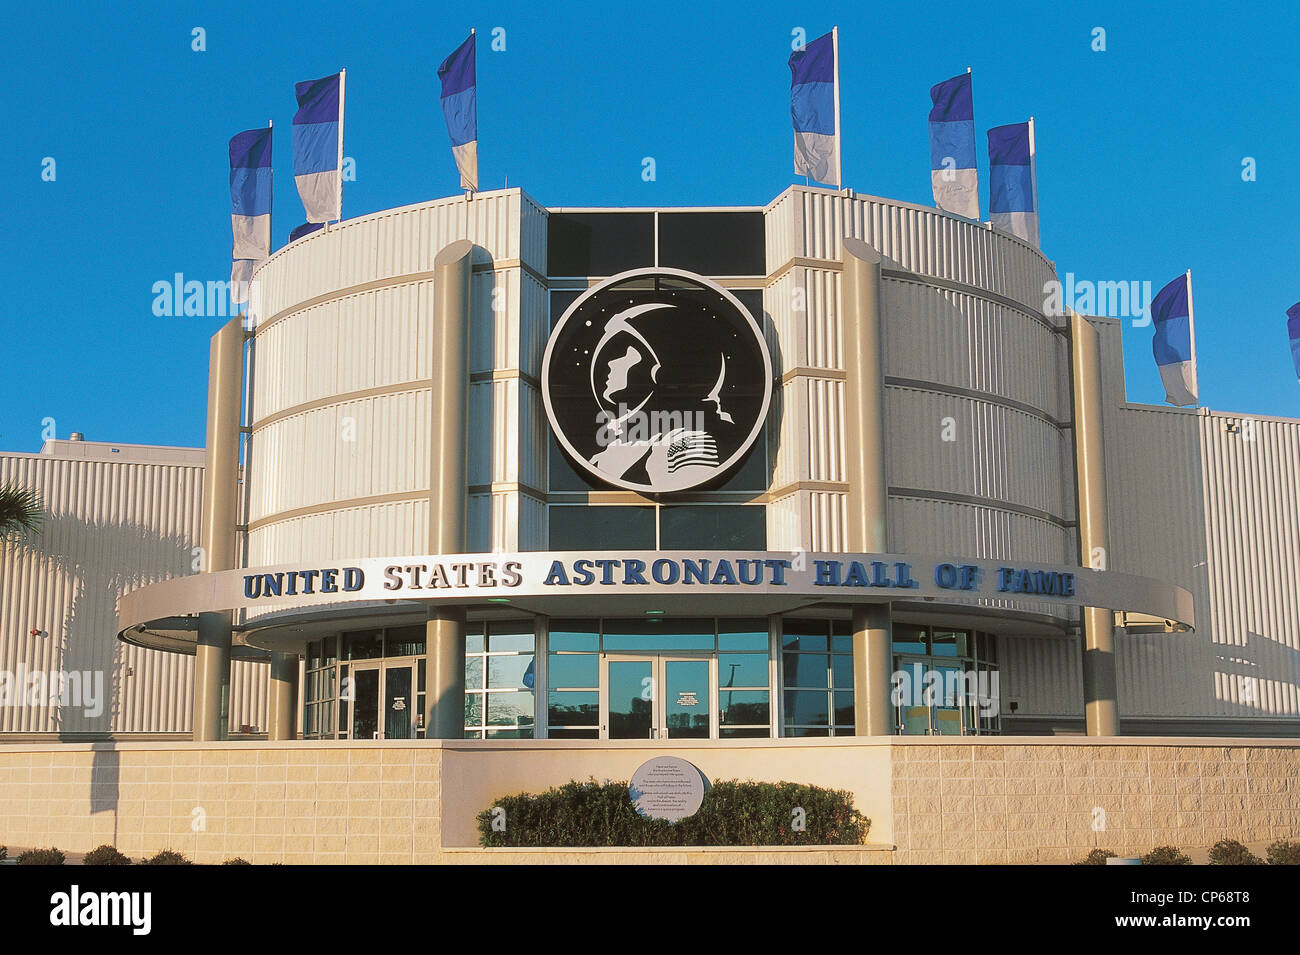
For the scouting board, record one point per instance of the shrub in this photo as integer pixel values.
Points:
(1166, 855)
(4, 853)
(1232, 852)
(1096, 857)
(105, 855)
(50, 856)
(236, 861)
(732, 814)
(166, 857)
(1282, 852)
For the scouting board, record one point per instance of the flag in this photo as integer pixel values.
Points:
(318, 146)
(1293, 332)
(460, 109)
(814, 108)
(250, 206)
(952, 147)
(1171, 312)
(307, 228)
(1013, 206)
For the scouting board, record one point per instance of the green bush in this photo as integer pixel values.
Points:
(166, 857)
(236, 861)
(105, 855)
(732, 814)
(1282, 852)
(1096, 857)
(1232, 852)
(1166, 855)
(4, 853)
(50, 856)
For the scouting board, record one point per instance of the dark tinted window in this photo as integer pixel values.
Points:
(712, 243)
(578, 527)
(713, 527)
(599, 243)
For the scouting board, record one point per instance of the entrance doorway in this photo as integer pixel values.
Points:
(383, 702)
(657, 696)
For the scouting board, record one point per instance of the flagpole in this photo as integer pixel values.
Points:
(270, 124)
(343, 75)
(839, 130)
(1191, 333)
(1033, 178)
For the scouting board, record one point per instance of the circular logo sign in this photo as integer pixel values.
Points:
(667, 787)
(657, 380)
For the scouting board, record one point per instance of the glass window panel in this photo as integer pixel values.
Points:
(580, 527)
(742, 669)
(568, 733)
(686, 699)
(512, 635)
(564, 476)
(713, 243)
(807, 708)
(573, 709)
(743, 634)
(331, 651)
(807, 731)
(909, 639)
(575, 635)
(805, 635)
(366, 645)
(405, 641)
(844, 708)
(474, 639)
(473, 673)
(841, 636)
(807, 670)
(659, 633)
(600, 243)
(510, 708)
(523, 732)
(473, 709)
(420, 669)
(573, 669)
(511, 671)
(746, 732)
(713, 527)
(743, 707)
(948, 643)
(842, 664)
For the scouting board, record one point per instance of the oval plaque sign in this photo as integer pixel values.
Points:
(667, 787)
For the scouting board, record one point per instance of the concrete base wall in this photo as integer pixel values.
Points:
(992, 800)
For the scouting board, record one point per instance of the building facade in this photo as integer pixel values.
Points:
(921, 415)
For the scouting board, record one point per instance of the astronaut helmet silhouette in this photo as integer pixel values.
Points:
(662, 418)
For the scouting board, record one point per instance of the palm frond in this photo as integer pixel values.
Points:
(20, 510)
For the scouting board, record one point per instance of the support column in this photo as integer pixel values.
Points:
(1100, 692)
(284, 696)
(864, 455)
(220, 513)
(448, 484)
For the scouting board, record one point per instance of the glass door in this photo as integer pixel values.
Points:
(628, 698)
(364, 693)
(398, 703)
(687, 698)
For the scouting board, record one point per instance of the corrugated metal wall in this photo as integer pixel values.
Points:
(110, 526)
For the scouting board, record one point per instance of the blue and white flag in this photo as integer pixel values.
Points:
(1293, 332)
(307, 228)
(1171, 312)
(318, 147)
(460, 108)
(814, 108)
(250, 206)
(1013, 206)
(952, 147)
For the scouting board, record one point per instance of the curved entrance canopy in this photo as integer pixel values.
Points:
(557, 583)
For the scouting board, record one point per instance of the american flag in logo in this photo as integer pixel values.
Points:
(697, 448)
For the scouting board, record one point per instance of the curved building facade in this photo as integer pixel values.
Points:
(896, 548)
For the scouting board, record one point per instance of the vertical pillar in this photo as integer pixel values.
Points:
(448, 483)
(284, 696)
(1100, 695)
(220, 513)
(864, 455)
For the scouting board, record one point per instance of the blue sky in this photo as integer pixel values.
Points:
(1140, 152)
